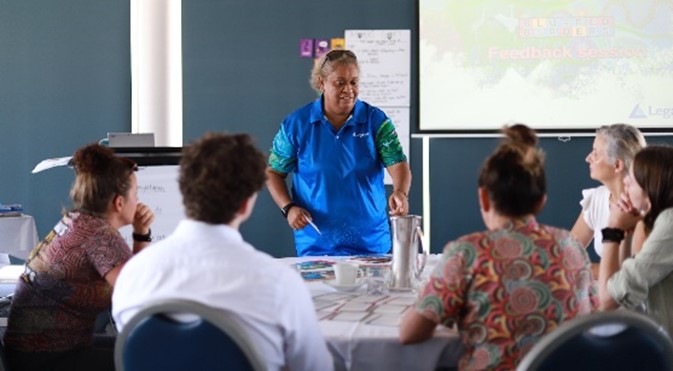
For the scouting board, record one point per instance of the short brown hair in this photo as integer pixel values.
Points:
(217, 173)
(100, 176)
(513, 176)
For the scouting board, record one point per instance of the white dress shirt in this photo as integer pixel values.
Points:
(211, 264)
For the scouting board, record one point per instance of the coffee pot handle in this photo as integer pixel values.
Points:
(426, 251)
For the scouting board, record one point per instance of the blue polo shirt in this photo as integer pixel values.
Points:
(338, 177)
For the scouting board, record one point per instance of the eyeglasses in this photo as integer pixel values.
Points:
(336, 54)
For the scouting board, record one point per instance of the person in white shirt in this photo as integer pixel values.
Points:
(206, 259)
(609, 161)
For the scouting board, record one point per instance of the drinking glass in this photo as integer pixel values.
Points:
(378, 280)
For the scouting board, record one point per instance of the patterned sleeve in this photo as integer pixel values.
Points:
(443, 297)
(282, 157)
(107, 250)
(577, 264)
(388, 144)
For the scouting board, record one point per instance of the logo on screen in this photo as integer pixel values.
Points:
(663, 112)
(637, 113)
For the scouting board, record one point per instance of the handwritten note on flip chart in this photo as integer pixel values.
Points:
(385, 70)
(384, 58)
(158, 188)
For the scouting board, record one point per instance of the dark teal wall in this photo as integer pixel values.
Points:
(65, 82)
(243, 73)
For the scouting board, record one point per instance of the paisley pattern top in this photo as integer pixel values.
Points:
(63, 288)
(506, 288)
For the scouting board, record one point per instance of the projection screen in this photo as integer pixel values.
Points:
(557, 66)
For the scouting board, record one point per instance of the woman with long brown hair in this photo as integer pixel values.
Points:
(645, 281)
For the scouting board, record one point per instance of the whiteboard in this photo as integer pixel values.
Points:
(158, 188)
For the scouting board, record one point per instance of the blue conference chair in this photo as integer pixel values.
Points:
(619, 340)
(211, 339)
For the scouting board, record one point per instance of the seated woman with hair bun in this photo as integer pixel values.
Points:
(506, 287)
(69, 276)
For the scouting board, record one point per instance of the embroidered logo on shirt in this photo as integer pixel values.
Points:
(361, 135)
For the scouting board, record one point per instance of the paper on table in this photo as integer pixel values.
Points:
(313, 265)
(11, 273)
(315, 269)
(317, 275)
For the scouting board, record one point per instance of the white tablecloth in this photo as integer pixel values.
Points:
(361, 346)
(18, 235)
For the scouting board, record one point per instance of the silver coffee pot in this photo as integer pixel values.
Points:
(409, 251)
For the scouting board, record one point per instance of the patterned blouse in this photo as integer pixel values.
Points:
(506, 288)
(63, 288)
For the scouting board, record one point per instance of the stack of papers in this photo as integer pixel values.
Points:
(11, 210)
(313, 270)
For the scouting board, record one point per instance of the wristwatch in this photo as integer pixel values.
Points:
(286, 209)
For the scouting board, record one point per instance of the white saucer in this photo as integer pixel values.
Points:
(345, 288)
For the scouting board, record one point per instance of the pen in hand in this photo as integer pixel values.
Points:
(313, 225)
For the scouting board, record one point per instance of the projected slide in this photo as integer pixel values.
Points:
(554, 65)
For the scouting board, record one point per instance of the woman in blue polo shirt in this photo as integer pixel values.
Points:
(337, 148)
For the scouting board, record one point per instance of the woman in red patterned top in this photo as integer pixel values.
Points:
(70, 274)
(507, 286)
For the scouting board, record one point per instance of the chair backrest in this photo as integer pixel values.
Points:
(155, 340)
(618, 340)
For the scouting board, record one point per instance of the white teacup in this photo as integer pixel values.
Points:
(345, 273)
